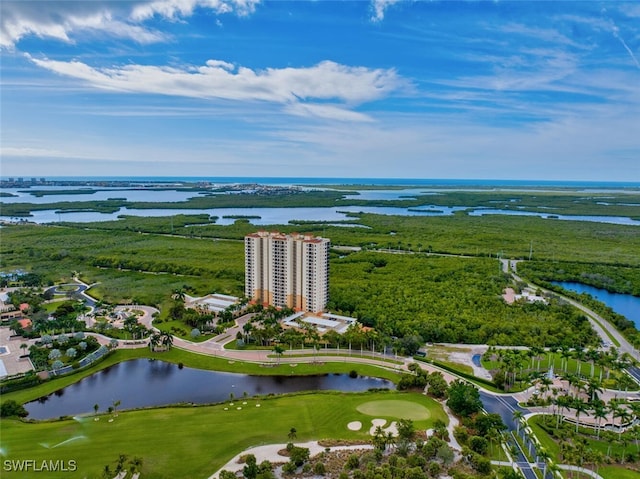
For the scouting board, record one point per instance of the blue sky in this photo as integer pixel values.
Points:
(381, 89)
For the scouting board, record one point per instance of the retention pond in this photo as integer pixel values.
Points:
(145, 383)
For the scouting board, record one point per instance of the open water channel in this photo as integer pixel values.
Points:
(145, 383)
(259, 216)
(624, 304)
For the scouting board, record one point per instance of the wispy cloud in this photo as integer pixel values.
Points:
(175, 9)
(296, 88)
(379, 8)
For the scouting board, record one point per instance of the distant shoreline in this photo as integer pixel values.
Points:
(418, 182)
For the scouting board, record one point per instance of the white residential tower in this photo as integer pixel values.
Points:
(289, 270)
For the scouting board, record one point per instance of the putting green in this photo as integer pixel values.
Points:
(395, 408)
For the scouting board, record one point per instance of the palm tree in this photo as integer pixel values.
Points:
(593, 355)
(625, 416)
(517, 417)
(293, 433)
(564, 402)
(544, 457)
(579, 355)
(379, 439)
(24, 346)
(580, 406)
(594, 386)
(610, 438)
(179, 295)
(600, 413)
(95, 409)
(115, 407)
(167, 340)
(494, 436)
(154, 341)
(565, 353)
(536, 352)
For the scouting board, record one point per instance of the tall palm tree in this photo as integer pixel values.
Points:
(517, 417)
(166, 340)
(564, 402)
(593, 356)
(600, 413)
(580, 406)
(625, 416)
(544, 457)
(593, 387)
(154, 341)
(565, 354)
(580, 356)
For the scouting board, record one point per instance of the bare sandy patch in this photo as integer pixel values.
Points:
(375, 423)
(354, 426)
(509, 295)
(392, 428)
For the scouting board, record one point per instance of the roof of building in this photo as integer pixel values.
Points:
(24, 323)
(324, 322)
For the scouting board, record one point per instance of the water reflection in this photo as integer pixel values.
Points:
(144, 383)
(624, 304)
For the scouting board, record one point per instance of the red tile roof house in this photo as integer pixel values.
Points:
(24, 323)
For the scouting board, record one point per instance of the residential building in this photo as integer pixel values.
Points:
(287, 270)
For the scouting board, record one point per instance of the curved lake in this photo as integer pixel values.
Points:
(624, 304)
(144, 383)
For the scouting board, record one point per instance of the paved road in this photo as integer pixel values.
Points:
(81, 289)
(597, 321)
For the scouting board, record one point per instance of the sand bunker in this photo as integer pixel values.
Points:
(354, 426)
(392, 428)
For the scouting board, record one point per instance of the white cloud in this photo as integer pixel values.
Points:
(327, 112)
(379, 8)
(64, 20)
(174, 9)
(336, 86)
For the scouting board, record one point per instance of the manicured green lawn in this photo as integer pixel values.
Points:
(553, 359)
(394, 408)
(613, 472)
(551, 446)
(195, 441)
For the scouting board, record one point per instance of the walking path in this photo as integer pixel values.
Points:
(269, 452)
(215, 347)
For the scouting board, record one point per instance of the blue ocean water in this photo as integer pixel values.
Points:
(282, 180)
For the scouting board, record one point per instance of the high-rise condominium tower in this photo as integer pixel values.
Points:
(289, 270)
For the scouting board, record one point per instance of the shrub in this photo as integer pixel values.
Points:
(11, 408)
(289, 468)
(57, 364)
(353, 462)
(55, 354)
